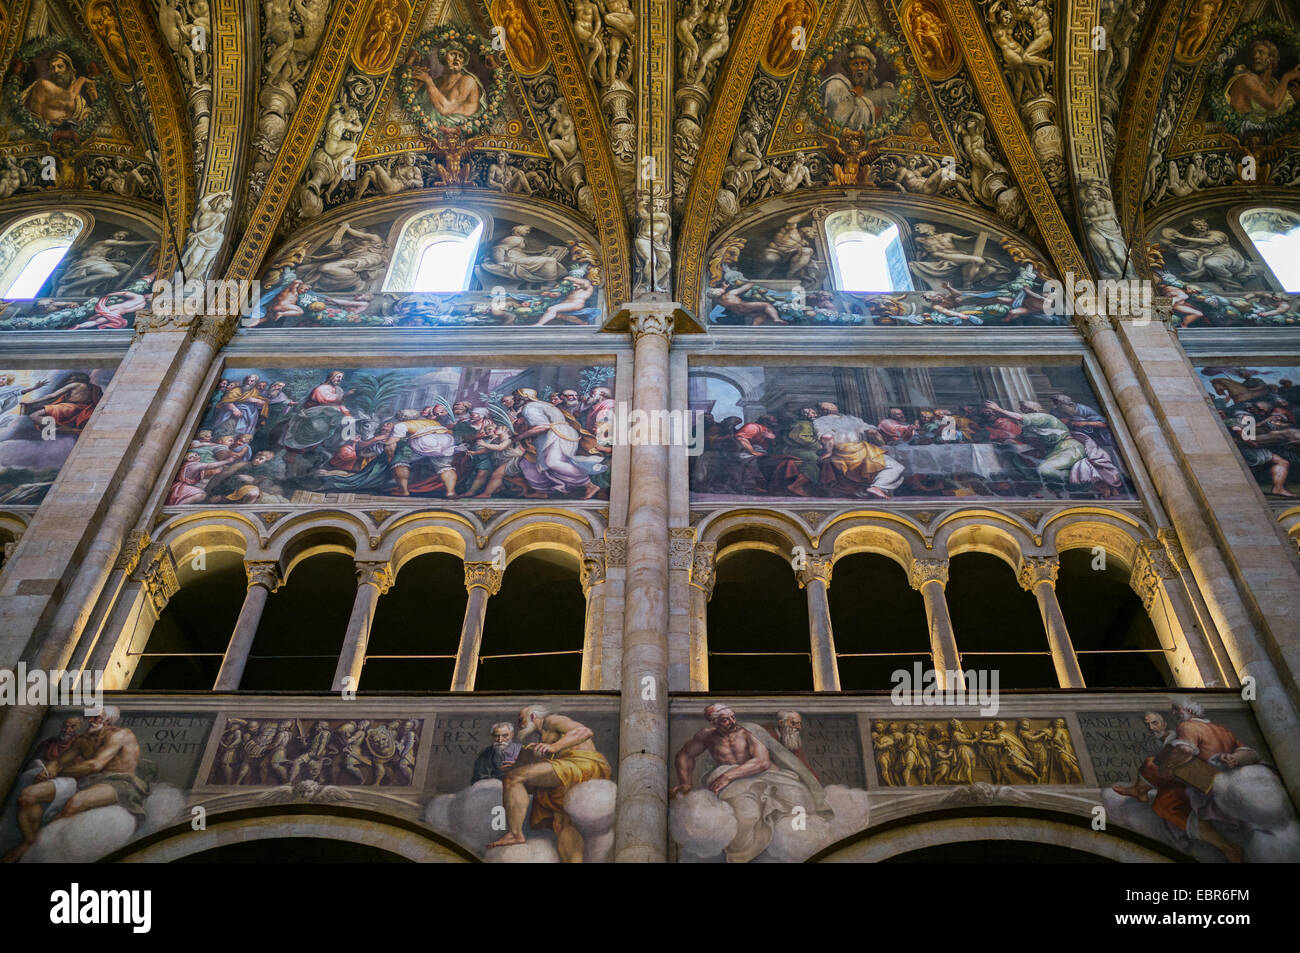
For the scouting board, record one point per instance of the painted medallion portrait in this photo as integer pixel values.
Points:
(1256, 80)
(864, 85)
(451, 82)
(53, 89)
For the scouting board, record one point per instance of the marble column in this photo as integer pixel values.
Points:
(150, 587)
(593, 588)
(137, 542)
(929, 577)
(483, 580)
(1231, 542)
(703, 576)
(641, 827)
(1038, 575)
(56, 574)
(815, 578)
(373, 580)
(263, 579)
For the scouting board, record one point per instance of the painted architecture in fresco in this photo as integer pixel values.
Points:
(392, 473)
(274, 435)
(42, 413)
(901, 433)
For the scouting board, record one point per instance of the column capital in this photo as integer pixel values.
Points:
(1038, 569)
(157, 574)
(1089, 325)
(816, 568)
(592, 572)
(616, 548)
(655, 317)
(264, 573)
(375, 573)
(485, 575)
(703, 574)
(1151, 565)
(927, 570)
(681, 547)
(133, 548)
(1173, 549)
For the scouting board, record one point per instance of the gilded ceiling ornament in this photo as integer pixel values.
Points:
(521, 37)
(102, 21)
(54, 90)
(932, 43)
(783, 49)
(377, 44)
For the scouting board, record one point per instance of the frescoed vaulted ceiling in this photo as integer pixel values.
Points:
(1072, 122)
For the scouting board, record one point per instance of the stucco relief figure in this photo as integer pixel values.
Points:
(761, 779)
(564, 142)
(1207, 254)
(206, 236)
(335, 157)
(456, 91)
(505, 177)
(652, 244)
(1255, 90)
(717, 40)
(857, 99)
(745, 166)
(59, 94)
(1027, 70)
(563, 757)
(688, 47)
(587, 31)
(398, 174)
(511, 259)
(1105, 236)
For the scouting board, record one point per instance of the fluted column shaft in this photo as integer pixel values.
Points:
(701, 591)
(929, 577)
(373, 580)
(815, 578)
(263, 579)
(593, 588)
(483, 580)
(641, 831)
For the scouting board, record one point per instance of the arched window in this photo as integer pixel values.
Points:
(1276, 235)
(435, 252)
(32, 247)
(868, 252)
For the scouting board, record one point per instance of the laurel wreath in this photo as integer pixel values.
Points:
(890, 50)
(1221, 109)
(16, 83)
(433, 122)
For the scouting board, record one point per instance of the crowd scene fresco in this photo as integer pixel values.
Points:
(882, 433)
(359, 274)
(777, 272)
(42, 413)
(284, 435)
(1258, 406)
(286, 751)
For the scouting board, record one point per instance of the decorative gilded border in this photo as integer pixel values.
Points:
(602, 178)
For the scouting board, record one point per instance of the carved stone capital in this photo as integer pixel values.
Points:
(616, 548)
(1173, 549)
(681, 547)
(157, 574)
(816, 567)
(703, 568)
(653, 321)
(1090, 324)
(592, 572)
(1039, 569)
(377, 574)
(133, 547)
(485, 575)
(216, 331)
(264, 573)
(1151, 565)
(927, 570)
